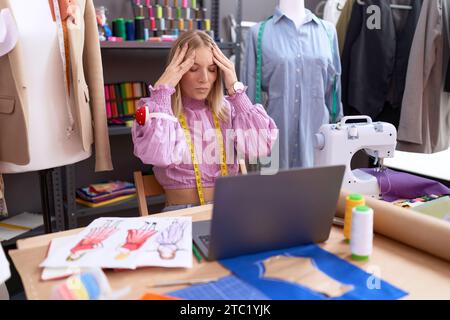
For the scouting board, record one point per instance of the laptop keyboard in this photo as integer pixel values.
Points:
(205, 240)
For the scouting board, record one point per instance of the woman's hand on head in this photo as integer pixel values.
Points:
(177, 67)
(227, 67)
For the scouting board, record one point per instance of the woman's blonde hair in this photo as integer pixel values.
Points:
(198, 39)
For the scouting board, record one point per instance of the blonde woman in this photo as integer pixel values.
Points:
(189, 131)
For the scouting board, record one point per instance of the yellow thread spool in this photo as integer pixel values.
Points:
(207, 25)
(352, 200)
(181, 24)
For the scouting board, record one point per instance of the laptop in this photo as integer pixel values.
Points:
(254, 213)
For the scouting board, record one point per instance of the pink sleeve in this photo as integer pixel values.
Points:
(160, 141)
(255, 131)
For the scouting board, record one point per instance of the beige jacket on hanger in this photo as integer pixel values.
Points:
(425, 117)
(87, 85)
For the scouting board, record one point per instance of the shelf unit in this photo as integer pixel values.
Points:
(82, 211)
(73, 211)
(119, 130)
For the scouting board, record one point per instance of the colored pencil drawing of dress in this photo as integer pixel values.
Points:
(169, 240)
(93, 240)
(135, 239)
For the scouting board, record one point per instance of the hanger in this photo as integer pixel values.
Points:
(393, 6)
(339, 7)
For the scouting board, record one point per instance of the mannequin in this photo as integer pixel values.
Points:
(294, 9)
(51, 114)
(49, 145)
(300, 73)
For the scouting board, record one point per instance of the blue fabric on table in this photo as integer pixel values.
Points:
(249, 268)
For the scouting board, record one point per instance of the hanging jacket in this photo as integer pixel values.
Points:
(375, 61)
(425, 118)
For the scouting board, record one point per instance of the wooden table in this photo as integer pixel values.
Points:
(422, 275)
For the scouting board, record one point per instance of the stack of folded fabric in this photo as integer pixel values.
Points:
(97, 195)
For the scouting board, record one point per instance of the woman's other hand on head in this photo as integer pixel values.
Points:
(227, 67)
(180, 64)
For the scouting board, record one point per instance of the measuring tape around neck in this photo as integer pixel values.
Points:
(259, 60)
(63, 41)
(189, 141)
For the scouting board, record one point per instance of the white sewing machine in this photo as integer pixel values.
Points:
(338, 143)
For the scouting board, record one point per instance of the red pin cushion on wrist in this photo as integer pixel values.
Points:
(142, 115)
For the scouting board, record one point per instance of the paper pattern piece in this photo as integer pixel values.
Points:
(302, 271)
(127, 243)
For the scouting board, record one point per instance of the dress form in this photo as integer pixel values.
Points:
(294, 10)
(48, 118)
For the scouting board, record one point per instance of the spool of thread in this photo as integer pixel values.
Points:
(146, 34)
(190, 24)
(194, 4)
(167, 3)
(152, 23)
(207, 25)
(200, 13)
(162, 24)
(119, 28)
(178, 13)
(184, 3)
(129, 25)
(199, 24)
(147, 3)
(139, 28)
(171, 24)
(138, 10)
(168, 13)
(151, 13)
(352, 200)
(175, 3)
(175, 32)
(159, 11)
(362, 233)
(181, 24)
(187, 13)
